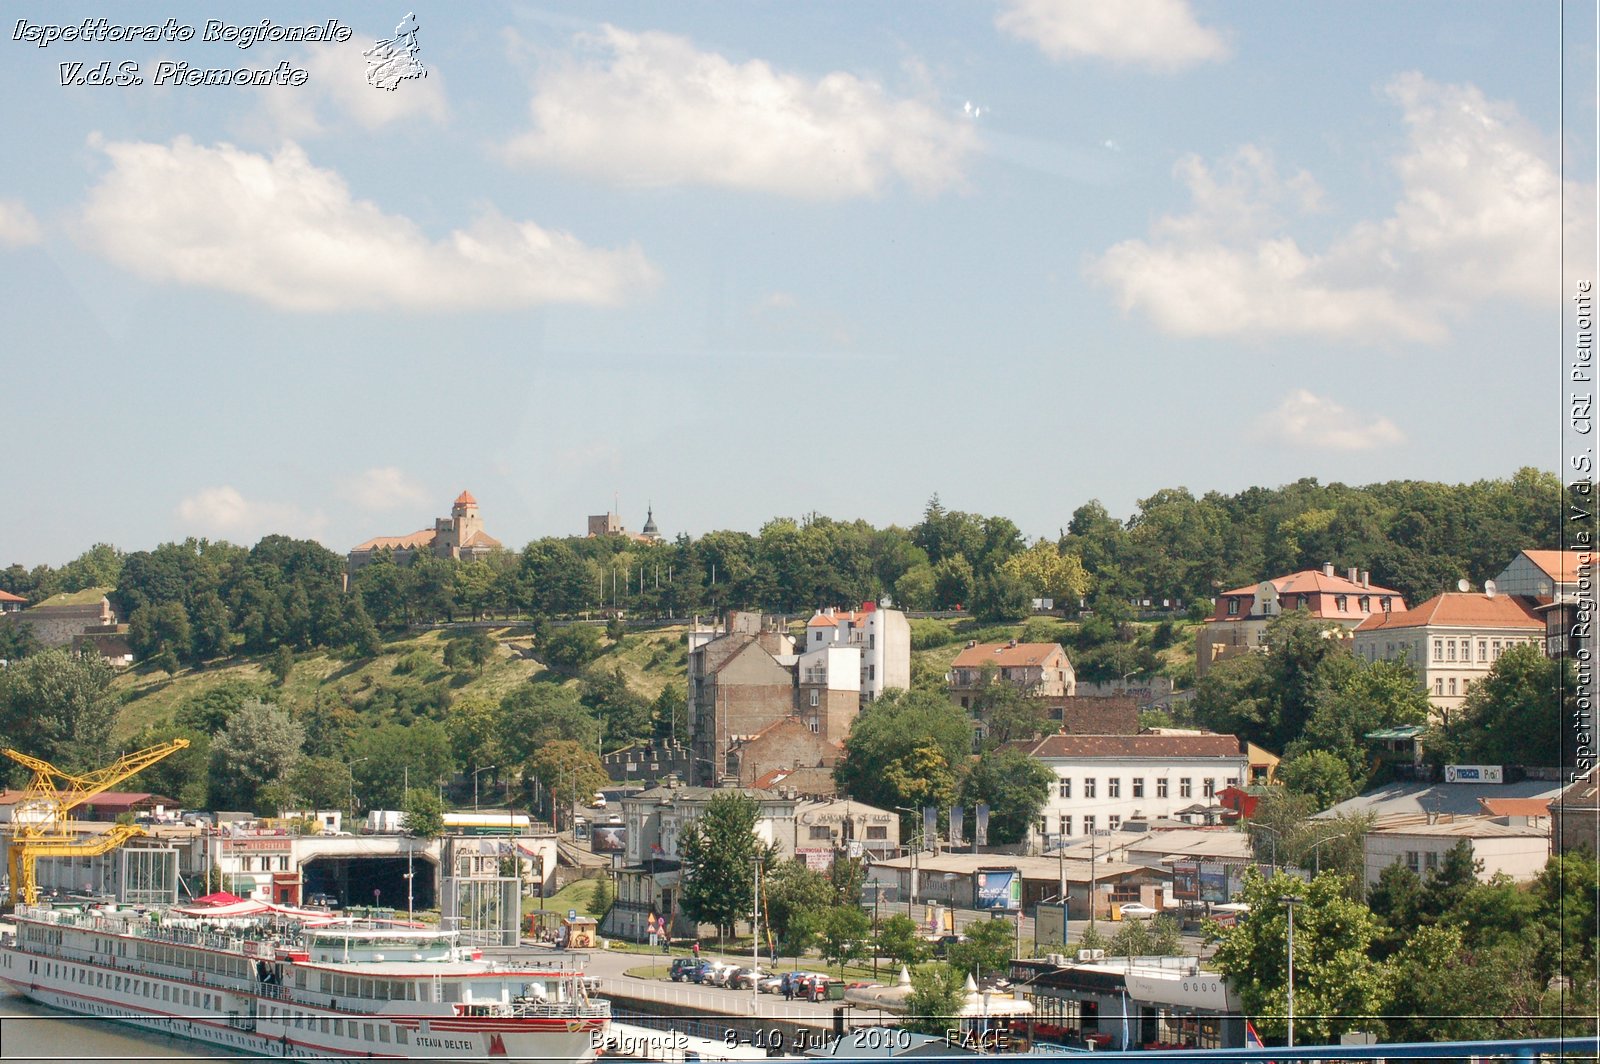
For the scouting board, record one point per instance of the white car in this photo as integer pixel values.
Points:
(1134, 911)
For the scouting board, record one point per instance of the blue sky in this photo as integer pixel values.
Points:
(752, 260)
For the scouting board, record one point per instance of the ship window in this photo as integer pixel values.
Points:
(324, 1025)
(402, 1036)
(383, 1033)
(366, 1031)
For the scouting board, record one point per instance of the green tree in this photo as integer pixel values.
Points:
(424, 813)
(719, 850)
(393, 757)
(282, 664)
(788, 891)
(952, 582)
(259, 746)
(1008, 713)
(182, 775)
(57, 706)
(1015, 786)
(572, 647)
(900, 940)
(845, 934)
(1372, 696)
(1514, 715)
(887, 733)
(1001, 596)
(1047, 572)
(322, 782)
(1322, 775)
(534, 714)
(568, 771)
(1336, 980)
(600, 900)
(989, 947)
(938, 992)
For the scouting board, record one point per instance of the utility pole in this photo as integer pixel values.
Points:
(1290, 901)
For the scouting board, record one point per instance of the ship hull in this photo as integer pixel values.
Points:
(269, 1026)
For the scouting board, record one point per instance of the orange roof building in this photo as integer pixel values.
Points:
(1545, 574)
(460, 535)
(1239, 624)
(1453, 639)
(1042, 670)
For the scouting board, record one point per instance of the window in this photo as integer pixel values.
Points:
(1088, 825)
(816, 698)
(1411, 861)
(1438, 650)
(1483, 650)
(1341, 602)
(1497, 650)
(877, 831)
(1066, 826)
(1431, 860)
(1364, 604)
(1161, 787)
(1088, 787)
(1450, 650)
(1185, 788)
(1209, 789)
(1138, 786)
(1064, 787)
(1452, 685)
(1114, 787)
(1044, 827)
(821, 832)
(1466, 685)
(1233, 781)
(1113, 821)
(1233, 607)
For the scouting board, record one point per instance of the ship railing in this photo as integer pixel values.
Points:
(575, 1010)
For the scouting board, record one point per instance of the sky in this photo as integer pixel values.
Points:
(738, 261)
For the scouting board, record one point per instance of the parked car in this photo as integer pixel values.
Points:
(721, 973)
(686, 968)
(771, 984)
(1134, 911)
(598, 801)
(746, 978)
(942, 944)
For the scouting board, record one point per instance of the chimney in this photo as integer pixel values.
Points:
(1350, 574)
(1366, 578)
(1327, 568)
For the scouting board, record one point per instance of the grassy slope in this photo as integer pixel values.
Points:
(151, 697)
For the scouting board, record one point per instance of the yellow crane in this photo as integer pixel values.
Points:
(42, 823)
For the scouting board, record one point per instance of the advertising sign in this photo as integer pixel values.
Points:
(930, 827)
(980, 830)
(1186, 881)
(609, 838)
(958, 816)
(997, 888)
(1474, 774)
(1213, 882)
(818, 860)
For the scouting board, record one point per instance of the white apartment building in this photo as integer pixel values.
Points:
(1453, 639)
(1103, 781)
(883, 637)
(1519, 851)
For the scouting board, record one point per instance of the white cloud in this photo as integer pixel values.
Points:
(1159, 34)
(338, 91)
(1478, 218)
(224, 513)
(385, 488)
(281, 230)
(18, 226)
(651, 109)
(1316, 423)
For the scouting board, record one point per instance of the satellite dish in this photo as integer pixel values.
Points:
(1544, 587)
(1462, 585)
(1489, 588)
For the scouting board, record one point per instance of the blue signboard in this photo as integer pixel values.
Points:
(997, 888)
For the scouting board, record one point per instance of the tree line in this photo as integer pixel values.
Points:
(203, 599)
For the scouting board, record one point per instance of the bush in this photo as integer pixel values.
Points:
(927, 634)
(417, 661)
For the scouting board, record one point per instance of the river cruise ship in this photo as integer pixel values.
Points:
(297, 983)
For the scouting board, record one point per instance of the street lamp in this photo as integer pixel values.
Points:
(350, 765)
(1275, 837)
(1289, 901)
(1316, 852)
(475, 772)
(920, 840)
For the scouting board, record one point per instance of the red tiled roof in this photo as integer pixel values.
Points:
(466, 499)
(1515, 806)
(1006, 655)
(1560, 565)
(6, 596)
(481, 539)
(1073, 746)
(410, 542)
(831, 620)
(1460, 609)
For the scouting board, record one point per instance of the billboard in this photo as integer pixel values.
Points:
(997, 888)
(1474, 774)
(1186, 881)
(1213, 882)
(608, 838)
